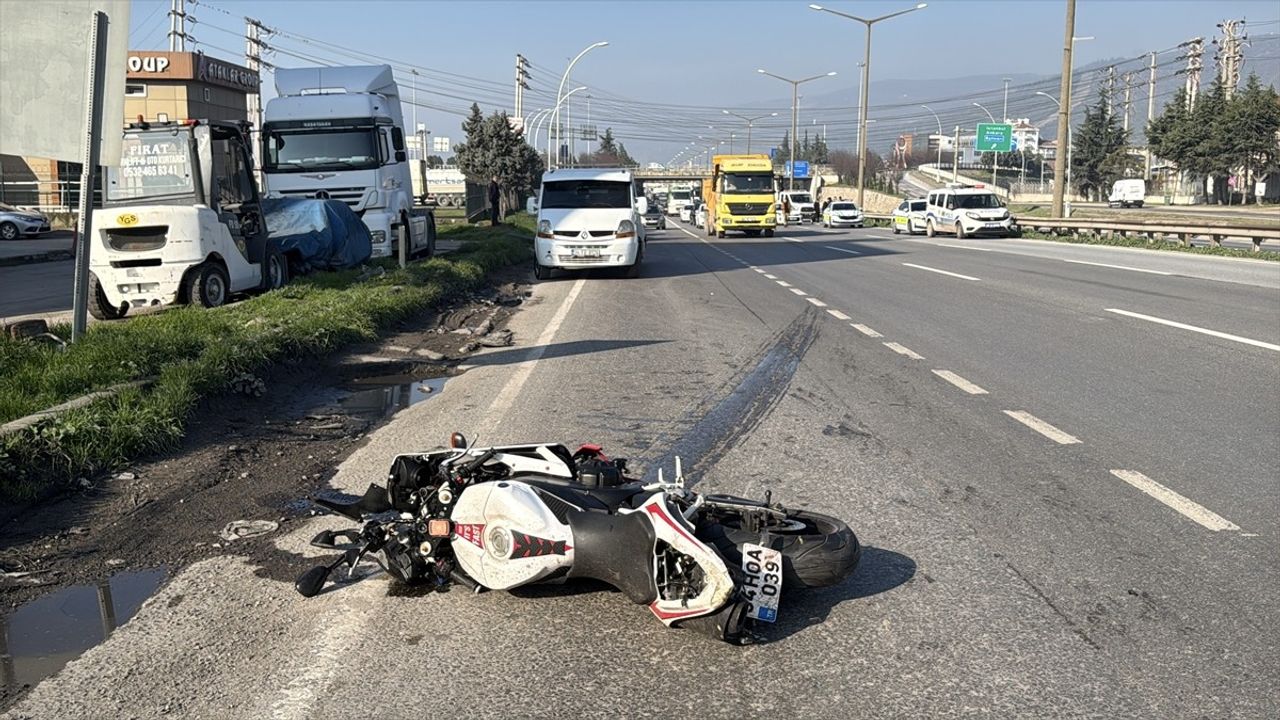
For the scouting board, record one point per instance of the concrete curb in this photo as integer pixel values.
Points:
(51, 256)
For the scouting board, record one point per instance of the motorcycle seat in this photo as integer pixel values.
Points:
(587, 497)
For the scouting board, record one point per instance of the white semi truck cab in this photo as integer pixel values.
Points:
(338, 133)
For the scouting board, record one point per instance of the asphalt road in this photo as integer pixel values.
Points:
(36, 288)
(1069, 511)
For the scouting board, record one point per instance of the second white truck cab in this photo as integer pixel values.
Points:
(800, 203)
(678, 197)
(338, 133)
(589, 218)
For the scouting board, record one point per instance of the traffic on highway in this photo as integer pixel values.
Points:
(359, 380)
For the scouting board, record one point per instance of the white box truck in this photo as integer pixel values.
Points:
(338, 133)
(1130, 192)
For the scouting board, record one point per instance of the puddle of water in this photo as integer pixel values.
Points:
(51, 631)
(390, 394)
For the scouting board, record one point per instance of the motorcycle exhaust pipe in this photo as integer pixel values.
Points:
(728, 624)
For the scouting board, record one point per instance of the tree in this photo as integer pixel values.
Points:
(845, 164)
(610, 153)
(1099, 154)
(435, 161)
(1252, 121)
(494, 149)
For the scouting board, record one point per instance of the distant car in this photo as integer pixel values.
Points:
(654, 217)
(908, 217)
(842, 213)
(15, 222)
(700, 215)
(686, 212)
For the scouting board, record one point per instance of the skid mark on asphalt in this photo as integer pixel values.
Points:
(747, 402)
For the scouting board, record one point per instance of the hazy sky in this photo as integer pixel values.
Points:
(671, 66)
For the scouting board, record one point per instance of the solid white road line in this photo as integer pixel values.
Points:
(838, 315)
(1117, 267)
(843, 250)
(507, 396)
(940, 272)
(783, 283)
(799, 292)
(865, 330)
(1190, 509)
(961, 247)
(1193, 328)
(904, 350)
(791, 239)
(959, 382)
(1042, 427)
(816, 302)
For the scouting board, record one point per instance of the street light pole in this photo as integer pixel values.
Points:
(555, 111)
(866, 91)
(795, 87)
(1056, 164)
(750, 121)
(560, 98)
(1004, 117)
(935, 117)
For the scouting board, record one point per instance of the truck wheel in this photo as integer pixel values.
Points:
(431, 235)
(9, 231)
(99, 306)
(275, 269)
(632, 271)
(719, 233)
(768, 232)
(208, 285)
(541, 272)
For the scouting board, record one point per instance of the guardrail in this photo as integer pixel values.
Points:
(1153, 231)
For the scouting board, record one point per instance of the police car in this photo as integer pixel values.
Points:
(967, 210)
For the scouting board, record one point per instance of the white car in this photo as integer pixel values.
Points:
(700, 215)
(686, 212)
(842, 213)
(967, 210)
(908, 217)
(589, 218)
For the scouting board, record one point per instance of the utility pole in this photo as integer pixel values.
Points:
(522, 75)
(1128, 94)
(1151, 112)
(1195, 63)
(1109, 88)
(955, 155)
(1229, 56)
(1064, 109)
(177, 26)
(1004, 114)
(253, 60)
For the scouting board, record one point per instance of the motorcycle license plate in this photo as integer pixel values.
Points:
(586, 252)
(761, 581)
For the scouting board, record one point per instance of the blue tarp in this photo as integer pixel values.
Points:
(323, 234)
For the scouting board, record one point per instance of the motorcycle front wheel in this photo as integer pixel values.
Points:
(817, 550)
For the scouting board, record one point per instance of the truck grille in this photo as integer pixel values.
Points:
(748, 208)
(137, 239)
(349, 195)
(578, 233)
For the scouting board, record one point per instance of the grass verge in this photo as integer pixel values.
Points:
(192, 353)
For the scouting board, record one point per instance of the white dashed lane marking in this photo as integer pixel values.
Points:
(1042, 427)
(902, 350)
(783, 283)
(959, 382)
(838, 315)
(1118, 267)
(1189, 508)
(799, 292)
(843, 250)
(1193, 328)
(817, 302)
(865, 330)
(941, 272)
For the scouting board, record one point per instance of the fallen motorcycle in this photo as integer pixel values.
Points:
(505, 516)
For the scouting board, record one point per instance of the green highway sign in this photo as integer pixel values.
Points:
(993, 137)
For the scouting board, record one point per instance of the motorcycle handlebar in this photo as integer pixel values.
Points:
(474, 465)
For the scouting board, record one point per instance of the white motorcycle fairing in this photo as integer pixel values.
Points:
(504, 535)
(717, 586)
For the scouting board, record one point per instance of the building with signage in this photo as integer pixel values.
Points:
(160, 86)
(172, 86)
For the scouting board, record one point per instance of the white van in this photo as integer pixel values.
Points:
(1128, 192)
(589, 218)
(678, 197)
(966, 210)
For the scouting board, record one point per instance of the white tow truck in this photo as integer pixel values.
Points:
(181, 221)
(338, 133)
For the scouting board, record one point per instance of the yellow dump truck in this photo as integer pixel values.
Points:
(740, 195)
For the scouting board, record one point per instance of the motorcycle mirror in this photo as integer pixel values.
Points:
(458, 441)
(309, 583)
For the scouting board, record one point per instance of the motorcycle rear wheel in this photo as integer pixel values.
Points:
(817, 550)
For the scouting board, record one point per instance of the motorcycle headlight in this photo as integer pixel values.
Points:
(626, 229)
(544, 229)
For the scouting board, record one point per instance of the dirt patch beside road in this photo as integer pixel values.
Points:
(253, 455)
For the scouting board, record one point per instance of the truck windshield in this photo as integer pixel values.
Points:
(800, 197)
(681, 195)
(978, 202)
(152, 165)
(586, 194)
(753, 183)
(300, 150)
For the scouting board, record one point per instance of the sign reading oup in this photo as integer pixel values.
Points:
(993, 137)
